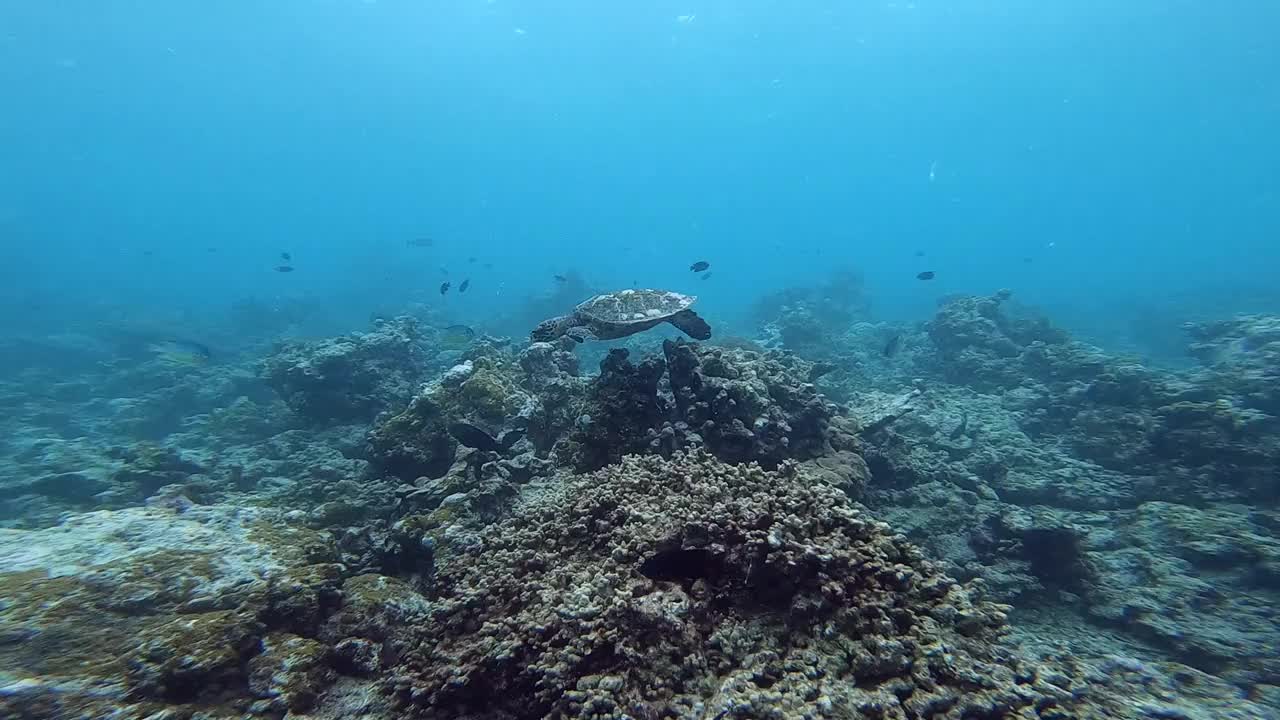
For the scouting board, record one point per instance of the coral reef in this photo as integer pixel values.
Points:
(740, 405)
(982, 346)
(353, 377)
(420, 532)
(749, 407)
(688, 588)
(147, 609)
(484, 390)
(1141, 500)
(623, 412)
(678, 588)
(743, 406)
(803, 319)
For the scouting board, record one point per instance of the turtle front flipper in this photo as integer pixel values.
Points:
(691, 324)
(581, 333)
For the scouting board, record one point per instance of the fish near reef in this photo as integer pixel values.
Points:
(891, 348)
(926, 275)
(465, 284)
(700, 266)
(473, 436)
(284, 268)
(682, 566)
(181, 352)
(456, 336)
(444, 288)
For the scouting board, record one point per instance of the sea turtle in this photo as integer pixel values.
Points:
(623, 313)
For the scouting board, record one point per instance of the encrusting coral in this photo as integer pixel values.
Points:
(690, 588)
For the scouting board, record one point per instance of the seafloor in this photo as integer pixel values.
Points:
(980, 519)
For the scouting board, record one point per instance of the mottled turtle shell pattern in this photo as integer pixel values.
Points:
(633, 307)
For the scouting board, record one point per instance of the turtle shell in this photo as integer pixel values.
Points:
(630, 307)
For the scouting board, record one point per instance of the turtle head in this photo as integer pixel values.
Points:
(549, 330)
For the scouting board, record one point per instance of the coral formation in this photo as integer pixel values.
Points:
(748, 407)
(803, 319)
(687, 588)
(484, 390)
(610, 546)
(350, 378)
(622, 412)
(145, 608)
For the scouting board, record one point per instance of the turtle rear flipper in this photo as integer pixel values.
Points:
(691, 324)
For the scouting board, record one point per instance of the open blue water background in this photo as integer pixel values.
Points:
(1106, 161)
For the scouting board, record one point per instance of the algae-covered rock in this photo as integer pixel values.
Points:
(147, 607)
(289, 674)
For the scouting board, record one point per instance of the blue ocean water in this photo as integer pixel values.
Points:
(1125, 150)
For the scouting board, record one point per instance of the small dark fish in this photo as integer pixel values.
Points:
(475, 437)
(487, 266)
(421, 242)
(148, 253)
(926, 275)
(962, 427)
(284, 268)
(819, 369)
(444, 271)
(700, 266)
(919, 253)
(286, 256)
(560, 278)
(895, 343)
(510, 437)
(682, 565)
(1026, 260)
(706, 275)
(211, 249)
(465, 284)
(444, 288)
(471, 259)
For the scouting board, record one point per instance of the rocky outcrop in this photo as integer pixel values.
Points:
(690, 588)
(350, 378)
(748, 407)
(142, 609)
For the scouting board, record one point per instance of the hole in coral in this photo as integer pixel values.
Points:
(681, 566)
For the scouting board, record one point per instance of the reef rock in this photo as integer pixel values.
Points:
(749, 407)
(484, 391)
(981, 344)
(806, 319)
(688, 588)
(740, 405)
(622, 412)
(350, 378)
(143, 608)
